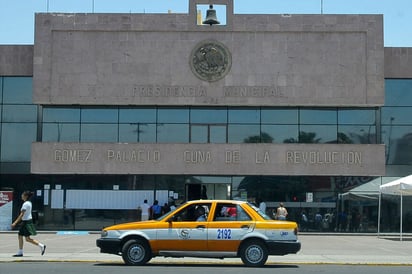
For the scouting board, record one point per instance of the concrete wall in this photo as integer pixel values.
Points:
(213, 159)
(145, 59)
(16, 60)
(398, 62)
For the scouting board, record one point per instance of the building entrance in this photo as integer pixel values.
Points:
(196, 191)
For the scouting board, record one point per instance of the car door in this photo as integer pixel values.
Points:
(228, 227)
(184, 231)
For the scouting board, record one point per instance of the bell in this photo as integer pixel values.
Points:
(211, 17)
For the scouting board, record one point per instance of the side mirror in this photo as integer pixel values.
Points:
(171, 219)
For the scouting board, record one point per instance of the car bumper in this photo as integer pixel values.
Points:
(283, 247)
(109, 245)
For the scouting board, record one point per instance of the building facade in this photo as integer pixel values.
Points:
(106, 110)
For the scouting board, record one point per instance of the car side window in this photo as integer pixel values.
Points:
(230, 212)
(242, 215)
(193, 213)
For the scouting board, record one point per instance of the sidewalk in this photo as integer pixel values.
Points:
(316, 249)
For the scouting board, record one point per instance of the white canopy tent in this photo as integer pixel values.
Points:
(367, 191)
(400, 187)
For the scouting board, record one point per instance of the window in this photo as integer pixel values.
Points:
(17, 135)
(209, 125)
(137, 132)
(398, 140)
(396, 115)
(215, 134)
(357, 134)
(193, 213)
(199, 134)
(280, 116)
(398, 92)
(137, 115)
(314, 134)
(61, 132)
(243, 134)
(61, 124)
(279, 134)
(99, 115)
(318, 116)
(98, 133)
(244, 116)
(20, 113)
(173, 133)
(173, 115)
(61, 115)
(230, 212)
(396, 127)
(356, 116)
(17, 90)
(208, 116)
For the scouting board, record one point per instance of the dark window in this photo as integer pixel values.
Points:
(173, 115)
(17, 90)
(16, 141)
(244, 116)
(280, 116)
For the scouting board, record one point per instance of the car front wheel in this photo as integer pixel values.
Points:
(254, 253)
(136, 252)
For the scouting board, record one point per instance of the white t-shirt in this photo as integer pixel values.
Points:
(262, 206)
(26, 207)
(145, 208)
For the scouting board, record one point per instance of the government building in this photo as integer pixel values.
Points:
(107, 110)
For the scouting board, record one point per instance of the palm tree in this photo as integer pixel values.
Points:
(304, 137)
(263, 138)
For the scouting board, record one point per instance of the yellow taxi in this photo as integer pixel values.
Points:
(203, 228)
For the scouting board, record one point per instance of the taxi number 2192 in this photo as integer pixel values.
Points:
(224, 234)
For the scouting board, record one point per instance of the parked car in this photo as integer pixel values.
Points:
(203, 228)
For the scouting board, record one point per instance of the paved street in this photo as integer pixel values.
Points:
(316, 249)
(156, 268)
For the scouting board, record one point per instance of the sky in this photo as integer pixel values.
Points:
(17, 16)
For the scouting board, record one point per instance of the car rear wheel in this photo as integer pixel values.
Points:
(254, 253)
(136, 252)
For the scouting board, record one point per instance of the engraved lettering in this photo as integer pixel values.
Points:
(134, 156)
(323, 158)
(170, 91)
(289, 157)
(110, 154)
(197, 157)
(248, 91)
(72, 155)
(232, 156)
(262, 159)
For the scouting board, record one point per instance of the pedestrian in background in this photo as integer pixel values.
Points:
(281, 212)
(155, 210)
(27, 228)
(145, 208)
(262, 205)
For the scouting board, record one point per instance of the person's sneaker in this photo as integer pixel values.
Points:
(43, 249)
(18, 255)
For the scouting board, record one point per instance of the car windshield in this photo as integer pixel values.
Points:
(168, 213)
(260, 212)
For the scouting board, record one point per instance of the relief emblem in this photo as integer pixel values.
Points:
(210, 61)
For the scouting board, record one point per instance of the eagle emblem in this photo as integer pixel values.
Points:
(210, 61)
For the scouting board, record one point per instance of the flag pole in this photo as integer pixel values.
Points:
(321, 6)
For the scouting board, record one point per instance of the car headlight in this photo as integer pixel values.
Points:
(104, 233)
